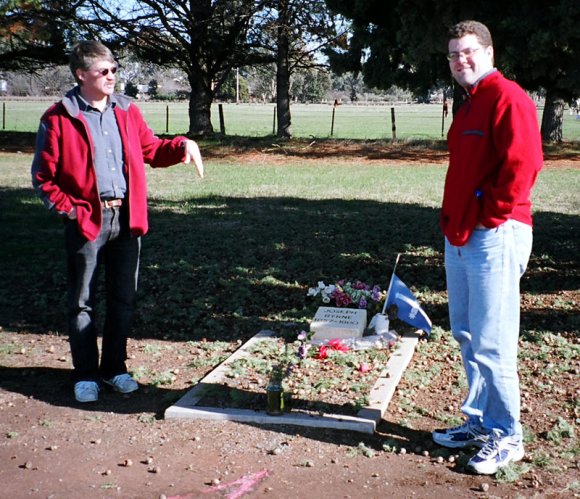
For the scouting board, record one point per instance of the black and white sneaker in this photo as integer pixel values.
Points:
(498, 452)
(466, 435)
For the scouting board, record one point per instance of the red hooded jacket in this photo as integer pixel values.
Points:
(63, 173)
(495, 154)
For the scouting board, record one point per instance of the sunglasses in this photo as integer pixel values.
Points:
(105, 71)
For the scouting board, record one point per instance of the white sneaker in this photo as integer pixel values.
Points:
(497, 453)
(466, 435)
(86, 391)
(122, 383)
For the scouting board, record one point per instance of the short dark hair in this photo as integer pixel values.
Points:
(85, 53)
(476, 28)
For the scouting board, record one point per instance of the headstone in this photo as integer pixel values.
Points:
(333, 322)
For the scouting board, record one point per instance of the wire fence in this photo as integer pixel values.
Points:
(348, 121)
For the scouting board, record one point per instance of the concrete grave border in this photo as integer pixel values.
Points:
(365, 421)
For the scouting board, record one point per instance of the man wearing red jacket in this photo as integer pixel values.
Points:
(495, 154)
(89, 168)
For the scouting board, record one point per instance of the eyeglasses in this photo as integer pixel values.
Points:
(105, 71)
(454, 56)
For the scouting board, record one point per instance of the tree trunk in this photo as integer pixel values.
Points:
(200, 101)
(552, 117)
(283, 74)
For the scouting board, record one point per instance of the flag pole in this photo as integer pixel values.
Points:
(390, 284)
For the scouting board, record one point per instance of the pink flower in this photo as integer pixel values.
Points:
(342, 299)
(364, 367)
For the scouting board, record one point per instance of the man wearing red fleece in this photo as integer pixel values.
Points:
(495, 154)
(89, 169)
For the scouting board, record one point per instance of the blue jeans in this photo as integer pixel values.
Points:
(483, 284)
(118, 251)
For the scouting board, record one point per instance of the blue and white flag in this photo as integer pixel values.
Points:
(409, 310)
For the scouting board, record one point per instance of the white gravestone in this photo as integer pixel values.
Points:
(333, 322)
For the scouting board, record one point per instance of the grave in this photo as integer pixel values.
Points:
(365, 420)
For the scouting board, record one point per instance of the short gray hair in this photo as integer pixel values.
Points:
(85, 53)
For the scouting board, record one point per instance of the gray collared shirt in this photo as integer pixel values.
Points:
(108, 153)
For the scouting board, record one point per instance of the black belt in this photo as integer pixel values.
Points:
(112, 203)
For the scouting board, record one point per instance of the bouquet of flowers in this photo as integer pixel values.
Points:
(349, 294)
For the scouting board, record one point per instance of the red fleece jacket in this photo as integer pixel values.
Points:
(63, 172)
(495, 154)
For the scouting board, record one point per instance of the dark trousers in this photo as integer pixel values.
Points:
(118, 252)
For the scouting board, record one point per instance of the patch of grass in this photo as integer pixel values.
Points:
(541, 460)
(561, 430)
(449, 420)
(146, 418)
(512, 472)
(141, 372)
(391, 445)
(151, 349)
(210, 346)
(528, 435)
(206, 362)
(572, 487)
(236, 369)
(162, 378)
(359, 403)
(422, 375)
(361, 450)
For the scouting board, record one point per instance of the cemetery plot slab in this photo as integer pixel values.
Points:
(365, 420)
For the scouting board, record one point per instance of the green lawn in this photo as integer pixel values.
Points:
(413, 121)
(236, 251)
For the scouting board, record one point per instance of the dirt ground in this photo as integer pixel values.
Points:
(53, 447)
(121, 446)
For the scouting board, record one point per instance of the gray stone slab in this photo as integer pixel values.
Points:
(334, 322)
(365, 421)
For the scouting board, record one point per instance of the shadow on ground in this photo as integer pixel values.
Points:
(224, 268)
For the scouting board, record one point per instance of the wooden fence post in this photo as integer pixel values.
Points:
(332, 124)
(222, 120)
(167, 118)
(444, 112)
(274, 122)
(393, 124)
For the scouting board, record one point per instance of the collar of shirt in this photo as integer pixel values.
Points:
(85, 106)
(485, 75)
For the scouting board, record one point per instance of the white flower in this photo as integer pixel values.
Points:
(327, 293)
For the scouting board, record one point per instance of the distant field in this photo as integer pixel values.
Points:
(413, 121)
